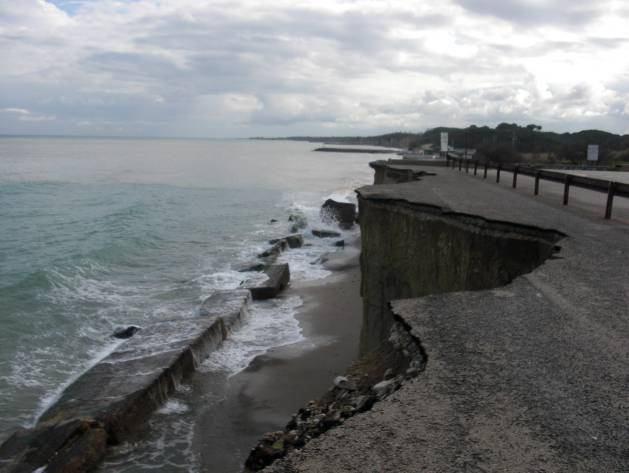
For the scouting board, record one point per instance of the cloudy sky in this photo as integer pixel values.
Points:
(236, 68)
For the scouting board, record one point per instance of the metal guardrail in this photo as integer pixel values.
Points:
(611, 188)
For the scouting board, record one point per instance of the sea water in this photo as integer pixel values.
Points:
(97, 234)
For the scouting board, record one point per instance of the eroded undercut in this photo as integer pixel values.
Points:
(412, 250)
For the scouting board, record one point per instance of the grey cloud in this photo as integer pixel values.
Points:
(132, 66)
(621, 84)
(295, 33)
(162, 72)
(527, 13)
(608, 43)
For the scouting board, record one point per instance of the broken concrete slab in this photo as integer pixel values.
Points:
(342, 213)
(325, 233)
(252, 267)
(109, 401)
(398, 170)
(278, 277)
(71, 446)
(295, 240)
(275, 250)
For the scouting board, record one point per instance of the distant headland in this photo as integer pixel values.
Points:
(507, 142)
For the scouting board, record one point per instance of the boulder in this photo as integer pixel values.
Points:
(270, 448)
(325, 233)
(342, 382)
(125, 332)
(364, 403)
(340, 243)
(331, 419)
(278, 278)
(342, 213)
(386, 387)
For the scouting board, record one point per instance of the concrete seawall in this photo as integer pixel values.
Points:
(112, 399)
(527, 344)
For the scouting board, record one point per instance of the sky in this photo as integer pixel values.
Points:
(240, 68)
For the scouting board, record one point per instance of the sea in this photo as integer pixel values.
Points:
(98, 234)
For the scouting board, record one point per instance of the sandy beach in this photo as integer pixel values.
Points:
(263, 397)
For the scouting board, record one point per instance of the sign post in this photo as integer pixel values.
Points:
(444, 143)
(592, 153)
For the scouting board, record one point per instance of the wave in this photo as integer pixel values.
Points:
(122, 268)
(270, 324)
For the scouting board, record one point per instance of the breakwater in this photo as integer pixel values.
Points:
(111, 400)
(329, 149)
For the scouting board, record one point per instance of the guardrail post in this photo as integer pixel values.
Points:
(515, 177)
(498, 173)
(566, 189)
(467, 166)
(475, 167)
(537, 183)
(610, 200)
(485, 171)
(460, 163)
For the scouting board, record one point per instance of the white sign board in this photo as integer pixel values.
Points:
(592, 152)
(444, 141)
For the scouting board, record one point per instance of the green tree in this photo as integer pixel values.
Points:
(497, 153)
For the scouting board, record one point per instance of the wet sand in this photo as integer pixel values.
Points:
(263, 397)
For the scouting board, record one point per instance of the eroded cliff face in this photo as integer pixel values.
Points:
(411, 250)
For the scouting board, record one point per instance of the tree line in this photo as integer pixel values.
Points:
(510, 142)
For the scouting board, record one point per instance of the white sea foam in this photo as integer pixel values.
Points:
(270, 324)
(24, 374)
(78, 287)
(342, 196)
(168, 447)
(173, 406)
(227, 279)
(304, 263)
(52, 396)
